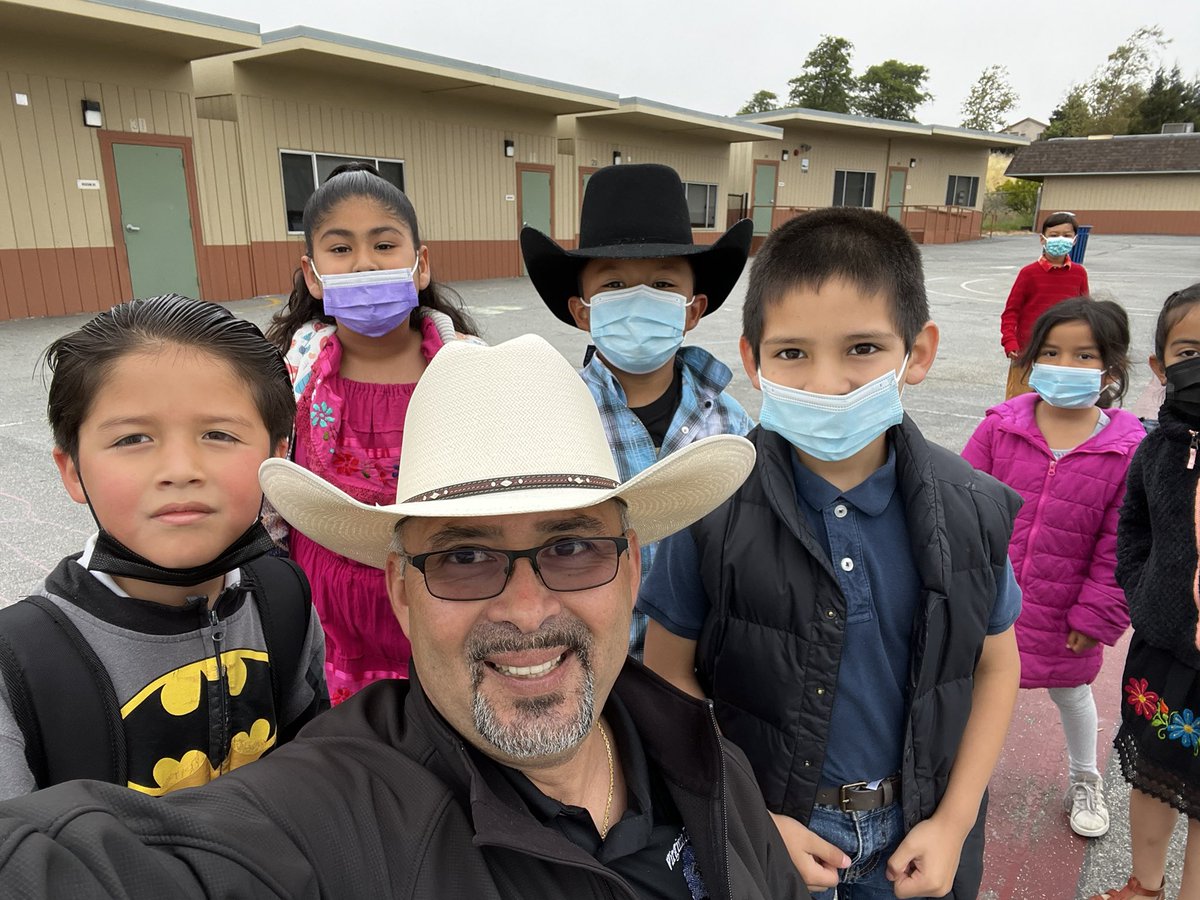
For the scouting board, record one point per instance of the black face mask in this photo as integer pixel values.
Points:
(114, 558)
(1183, 390)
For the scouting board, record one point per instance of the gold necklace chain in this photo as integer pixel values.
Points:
(611, 781)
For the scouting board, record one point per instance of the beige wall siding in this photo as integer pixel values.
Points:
(219, 183)
(1129, 192)
(566, 197)
(831, 152)
(596, 138)
(45, 147)
(741, 165)
(222, 106)
(455, 167)
(936, 161)
(41, 54)
(455, 172)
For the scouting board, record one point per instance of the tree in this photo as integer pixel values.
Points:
(763, 101)
(892, 90)
(827, 82)
(1118, 87)
(991, 98)
(1072, 118)
(1108, 102)
(1168, 99)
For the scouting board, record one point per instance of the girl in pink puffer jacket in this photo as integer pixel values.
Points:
(1067, 453)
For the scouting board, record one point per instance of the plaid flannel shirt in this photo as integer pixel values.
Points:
(704, 410)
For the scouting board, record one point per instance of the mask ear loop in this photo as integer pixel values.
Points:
(902, 374)
(1113, 384)
(86, 496)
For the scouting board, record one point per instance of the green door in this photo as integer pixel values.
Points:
(765, 177)
(895, 195)
(535, 201)
(156, 220)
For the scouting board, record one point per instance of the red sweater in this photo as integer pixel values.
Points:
(1037, 288)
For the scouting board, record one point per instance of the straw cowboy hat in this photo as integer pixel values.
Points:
(506, 430)
(634, 212)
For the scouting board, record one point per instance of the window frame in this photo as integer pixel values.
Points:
(712, 191)
(868, 195)
(348, 157)
(952, 189)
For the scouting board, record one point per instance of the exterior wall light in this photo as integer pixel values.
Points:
(91, 114)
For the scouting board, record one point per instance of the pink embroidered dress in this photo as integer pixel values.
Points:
(350, 433)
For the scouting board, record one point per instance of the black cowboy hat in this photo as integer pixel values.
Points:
(634, 212)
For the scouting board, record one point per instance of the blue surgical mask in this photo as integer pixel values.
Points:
(639, 328)
(1059, 246)
(1067, 387)
(370, 303)
(833, 427)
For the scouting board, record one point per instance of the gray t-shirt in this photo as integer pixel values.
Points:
(163, 665)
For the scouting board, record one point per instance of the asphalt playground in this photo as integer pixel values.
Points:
(1031, 853)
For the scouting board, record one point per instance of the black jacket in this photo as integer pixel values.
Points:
(771, 645)
(1157, 538)
(379, 798)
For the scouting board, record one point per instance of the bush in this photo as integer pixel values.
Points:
(1020, 196)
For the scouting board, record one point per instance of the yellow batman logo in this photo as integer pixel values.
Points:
(185, 728)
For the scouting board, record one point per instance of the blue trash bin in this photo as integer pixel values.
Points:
(1079, 248)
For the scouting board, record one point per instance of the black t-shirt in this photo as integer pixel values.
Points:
(648, 846)
(657, 416)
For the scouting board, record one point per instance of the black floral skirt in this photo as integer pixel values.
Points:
(1159, 739)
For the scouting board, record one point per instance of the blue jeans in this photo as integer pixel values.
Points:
(869, 839)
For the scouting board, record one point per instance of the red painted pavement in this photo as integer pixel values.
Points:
(1031, 852)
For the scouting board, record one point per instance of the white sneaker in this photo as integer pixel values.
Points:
(1085, 807)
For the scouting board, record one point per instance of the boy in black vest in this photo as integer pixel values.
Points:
(850, 609)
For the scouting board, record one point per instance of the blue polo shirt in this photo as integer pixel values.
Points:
(865, 534)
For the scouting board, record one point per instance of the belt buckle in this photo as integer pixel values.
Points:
(844, 794)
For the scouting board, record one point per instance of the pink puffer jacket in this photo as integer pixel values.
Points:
(1064, 543)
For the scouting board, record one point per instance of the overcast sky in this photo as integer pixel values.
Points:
(712, 56)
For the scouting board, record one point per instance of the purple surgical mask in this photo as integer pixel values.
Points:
(370, 303)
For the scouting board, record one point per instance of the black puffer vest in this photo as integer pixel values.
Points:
(769, 652)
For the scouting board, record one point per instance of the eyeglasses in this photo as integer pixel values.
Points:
(480, 573)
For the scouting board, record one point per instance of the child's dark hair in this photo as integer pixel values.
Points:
(1109, 324)
(1174, 309)
(867, 248)
(80, 362)
(357, 179)
(1060, 218)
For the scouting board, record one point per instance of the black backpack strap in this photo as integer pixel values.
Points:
(284, 602)
(61, 696)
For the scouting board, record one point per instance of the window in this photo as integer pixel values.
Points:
(961, 190)
(302, 172)
(854, 189)
(702, 204)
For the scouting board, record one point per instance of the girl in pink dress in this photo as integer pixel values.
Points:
(362, 323)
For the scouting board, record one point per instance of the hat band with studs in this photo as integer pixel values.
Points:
(515, 483)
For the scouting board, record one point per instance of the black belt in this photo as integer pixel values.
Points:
(858, 797)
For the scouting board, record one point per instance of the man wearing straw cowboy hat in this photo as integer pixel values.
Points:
(526, 757)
